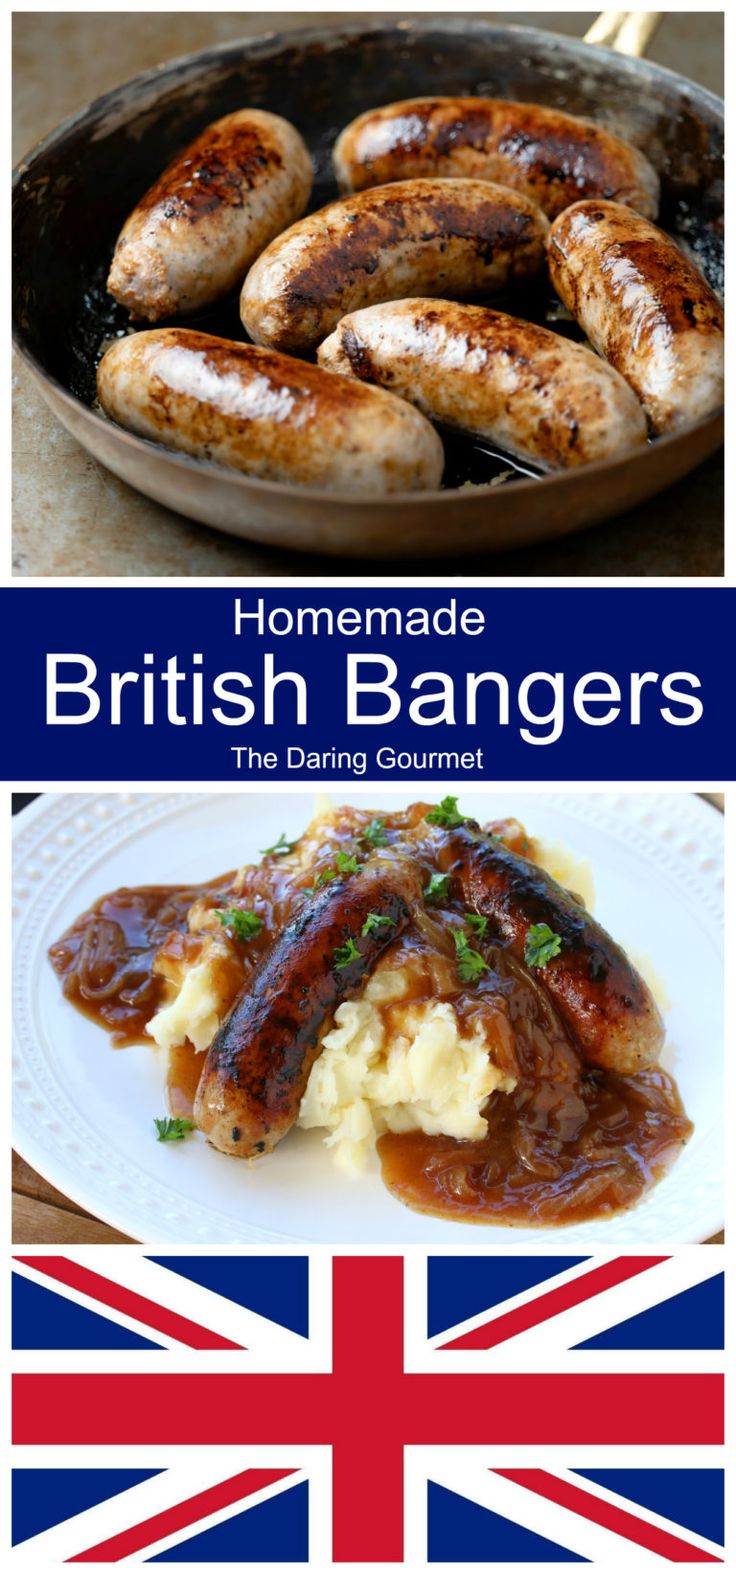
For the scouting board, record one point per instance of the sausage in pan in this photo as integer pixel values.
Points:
(266, 414)
(598, 993)
(217, 204)
(534, 394)
(644, 306)
(551, 157)
(258, 1065)
(462, 238)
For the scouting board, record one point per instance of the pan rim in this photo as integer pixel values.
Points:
(277, 41)
(273, 43)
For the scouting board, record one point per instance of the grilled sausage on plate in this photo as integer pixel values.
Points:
(217, 204)
(644, 306)
(535, 394)
(598, 993)
(461, 238)
(258, 1064)
(266, 414)
(550, 156)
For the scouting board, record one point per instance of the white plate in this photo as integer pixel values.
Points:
(83, 1113)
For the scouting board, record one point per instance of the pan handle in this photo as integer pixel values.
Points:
(627, 32)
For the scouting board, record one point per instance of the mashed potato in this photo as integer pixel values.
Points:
(384, 1066)
(425, 1076)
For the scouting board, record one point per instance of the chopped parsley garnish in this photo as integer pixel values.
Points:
(375, 834)
(470, 963)
(346, 863)
(170, 1130)
(374, 922)
(324, 876)
(438, 888)
(279, 849)
(477, 924)
(345, 954)
(243, 925)
(541, 945)
(446, 814)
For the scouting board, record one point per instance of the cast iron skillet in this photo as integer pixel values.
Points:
(73, 192)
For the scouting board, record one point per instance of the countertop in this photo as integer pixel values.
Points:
(72, 517)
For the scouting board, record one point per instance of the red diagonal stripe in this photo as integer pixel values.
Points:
(609, 1516)
(72, 1274)
(604, 1277)
(179, 1516)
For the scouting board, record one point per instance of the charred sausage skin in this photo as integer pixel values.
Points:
(644, 306)
(266, 414)
(258, 1065)
(606, 1004)
(192, 236)
(531, 392)
(462, 238)
(550, 156)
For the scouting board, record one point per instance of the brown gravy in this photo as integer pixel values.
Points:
(569, 1143)
(552, 1154)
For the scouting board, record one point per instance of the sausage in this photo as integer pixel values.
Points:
(644, 306)
(258, 1064)
(204, 221)
(551, 157)
(266, 414)
(462, 238)
(534, 394)
(598, 993)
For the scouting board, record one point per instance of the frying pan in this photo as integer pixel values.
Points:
(74, 190)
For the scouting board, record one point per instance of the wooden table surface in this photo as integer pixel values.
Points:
(73, 517)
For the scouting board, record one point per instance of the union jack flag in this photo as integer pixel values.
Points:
(318, 1408)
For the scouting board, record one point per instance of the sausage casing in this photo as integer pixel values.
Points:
(266, 414)
(644, 306)
(550, 156)
(258, 1064)
(459, 238)
(216, 205)
(598, 993)
(534, 394)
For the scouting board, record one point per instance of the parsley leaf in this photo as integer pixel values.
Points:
(324, 876)
(375, 834)
(446, 814)
(438, 888)
(279, 849)
(345, 954)
(541, 945)
(470, 963)
(170, 1130)
(374, 922)
(477, 924)
(243, 925)
(346, 863)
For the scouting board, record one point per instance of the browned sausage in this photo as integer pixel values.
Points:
(551, 157)
(464, 239)
(644, 306)
(258, 1064)
(266, 414)
(599, 994)
(216, 205)
(531, 392)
